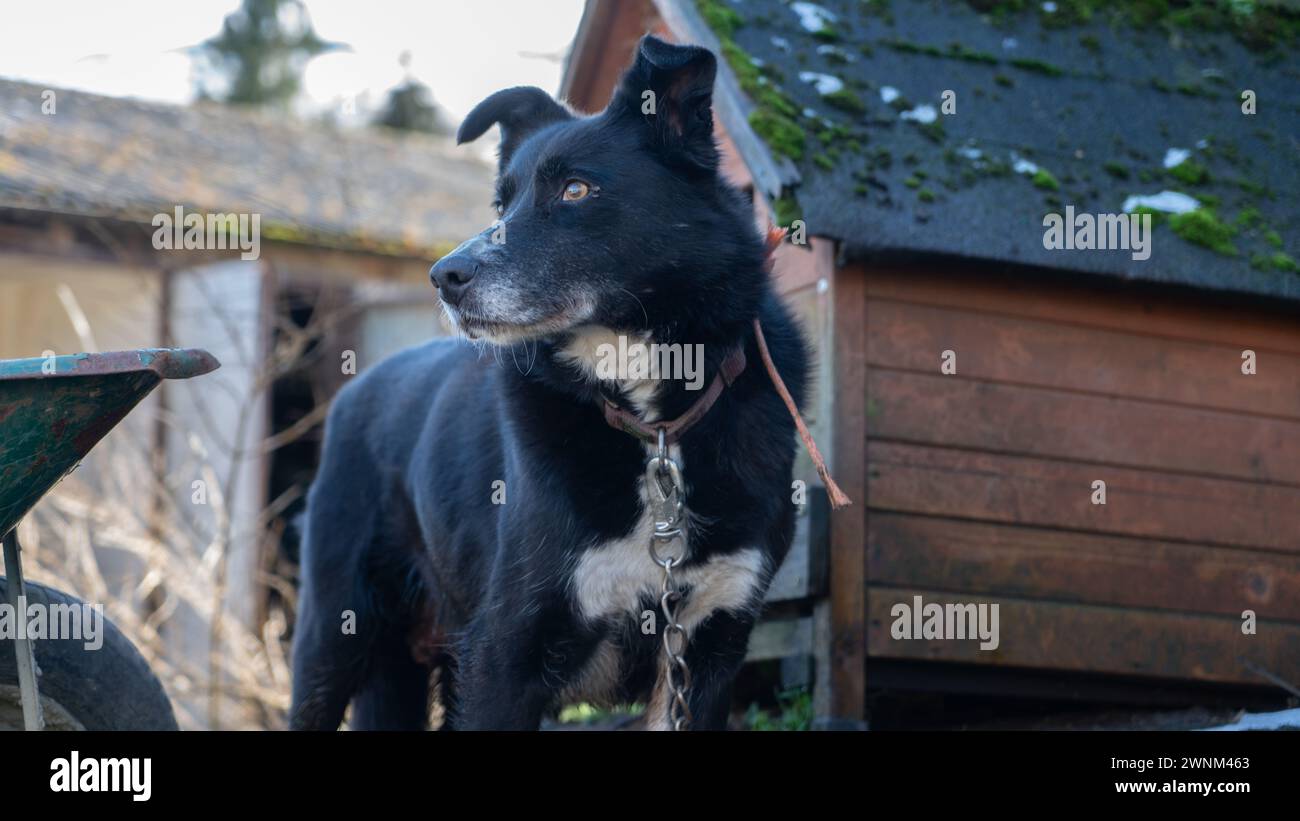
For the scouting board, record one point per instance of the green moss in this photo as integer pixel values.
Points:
(1252, 187)
(1273, 238)
(913, 48)
(1284, 262)
(912, 182)
(1043, 179)
(1190, 172)
(1038, 66)
(1090, 42)
(1003, 80)
(956, 51)
(1146, 12)
(750, 78)
(827, 33)
(723, 19)
(925, 195)
(960, 52)
(1204, 227)
(1260, 26)
(1117, 170)
(934, 131)
(825, 162)
(1248, 217)
(1275, 262)
(742, 65)
(835, 55)
(782, 134)
(833, 133)
(845, 100)
(1194, 90)
(1157, 217)
(786, 210)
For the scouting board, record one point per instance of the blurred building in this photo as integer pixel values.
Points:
(347, 225)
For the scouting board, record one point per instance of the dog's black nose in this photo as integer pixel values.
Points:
(451, 275)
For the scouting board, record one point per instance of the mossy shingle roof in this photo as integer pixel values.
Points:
(1052, 105)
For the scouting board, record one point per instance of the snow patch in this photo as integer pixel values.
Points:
(923, 114)
(1023, 166)
(888, 94)
(835, 51)
(825, 83)
(1176, 156)
(1168, 202)
(812, 17)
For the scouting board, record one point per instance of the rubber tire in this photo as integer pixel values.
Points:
(111, 688)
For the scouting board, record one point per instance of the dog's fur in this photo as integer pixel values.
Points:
(528, 605)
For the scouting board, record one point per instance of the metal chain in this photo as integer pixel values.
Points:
(666, 492)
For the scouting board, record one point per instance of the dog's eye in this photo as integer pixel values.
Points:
(500, 208)
(575, 190)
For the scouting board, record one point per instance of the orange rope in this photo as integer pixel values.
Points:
(837, 496)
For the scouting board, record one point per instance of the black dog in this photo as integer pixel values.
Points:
(474, 513)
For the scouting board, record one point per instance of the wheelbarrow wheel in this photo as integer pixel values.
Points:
(109, 687)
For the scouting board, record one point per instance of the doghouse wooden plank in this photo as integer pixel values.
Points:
(1019, 490)
(1072, 637)
(951, 410)
(1004, 560)
(1051, 354)
(781, 638)
(1140, 311)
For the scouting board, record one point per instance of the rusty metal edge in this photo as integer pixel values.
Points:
(166, 363)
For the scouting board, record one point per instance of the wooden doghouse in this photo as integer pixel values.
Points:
(981, 392)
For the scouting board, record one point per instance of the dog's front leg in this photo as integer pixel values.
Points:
(496, 689)
(513, 660)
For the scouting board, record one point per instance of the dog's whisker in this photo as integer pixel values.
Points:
(639, 303)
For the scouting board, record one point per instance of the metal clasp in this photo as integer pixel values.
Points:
(666, 495)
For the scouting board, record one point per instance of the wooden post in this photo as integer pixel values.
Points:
(849, 525)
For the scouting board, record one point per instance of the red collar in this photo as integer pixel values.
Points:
(625, 420)
(731, 368)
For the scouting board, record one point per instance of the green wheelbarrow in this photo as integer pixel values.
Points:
(53, 410)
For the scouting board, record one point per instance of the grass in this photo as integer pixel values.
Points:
(794, 713)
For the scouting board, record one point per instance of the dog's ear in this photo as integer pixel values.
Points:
(670, 87)
(519, 111)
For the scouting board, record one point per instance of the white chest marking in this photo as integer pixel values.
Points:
(613, 578)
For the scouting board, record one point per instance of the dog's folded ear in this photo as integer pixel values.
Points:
(519, 111)
(670, 87)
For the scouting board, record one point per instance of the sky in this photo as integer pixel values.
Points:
(463, 49)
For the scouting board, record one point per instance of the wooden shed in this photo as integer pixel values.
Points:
(1105, 446)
